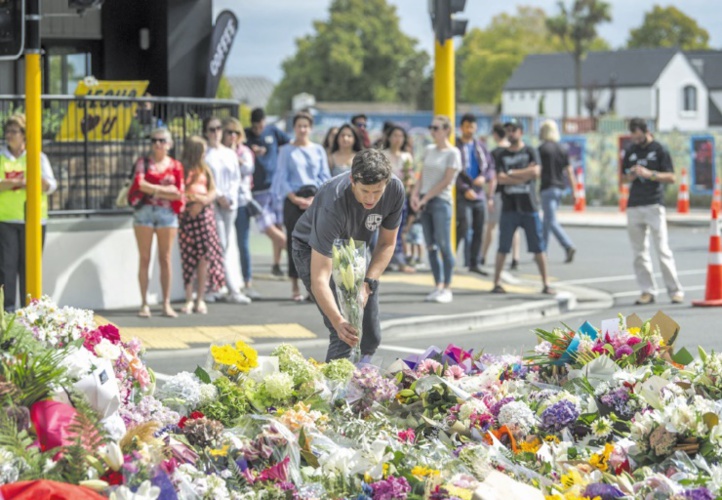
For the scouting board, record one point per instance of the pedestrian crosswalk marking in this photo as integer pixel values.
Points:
(181, 337)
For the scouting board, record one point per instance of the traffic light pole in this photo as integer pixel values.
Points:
(33, 135)
(445, 104)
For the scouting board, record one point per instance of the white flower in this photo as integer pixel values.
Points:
(518, 416)
(543, 348)
(470, 407)
(715, 437)
(278, 386)
(183, 389)
(602, 427)
(145, 492)
(106, 349)
(209, 393)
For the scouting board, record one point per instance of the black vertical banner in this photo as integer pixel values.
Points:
(224, 32)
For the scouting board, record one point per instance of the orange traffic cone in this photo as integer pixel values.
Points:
(713, 291)
(717, 196)
(623, 197)
(683, 195)
(580, 198)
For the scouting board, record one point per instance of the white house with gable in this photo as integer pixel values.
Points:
(659, 84)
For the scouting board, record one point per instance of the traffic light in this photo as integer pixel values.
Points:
(12, 29)
(442, 19)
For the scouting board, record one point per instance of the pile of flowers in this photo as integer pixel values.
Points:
(592, 413)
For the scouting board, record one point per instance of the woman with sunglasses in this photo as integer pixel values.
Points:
(234, 138)
(13, 168)
(302, 168)
(223, 162)
(160, 199)
(432, 194)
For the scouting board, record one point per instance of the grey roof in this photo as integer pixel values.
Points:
(715, 116)
(712, 66)
(629, 68)
(252, 90)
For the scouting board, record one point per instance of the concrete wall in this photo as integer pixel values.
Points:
(93, 264)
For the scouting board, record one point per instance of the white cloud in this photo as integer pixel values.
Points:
(268, 32)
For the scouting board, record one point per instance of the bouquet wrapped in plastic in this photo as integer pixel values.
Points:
(349, 270)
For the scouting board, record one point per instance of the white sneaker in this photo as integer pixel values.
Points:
(251, 293)
(445, 296)
(238, 298)
(433, 295)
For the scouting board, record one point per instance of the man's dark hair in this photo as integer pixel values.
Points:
(498, 129)
(468, 117)
(303, 115)
(638, 124)
(356, 117)
(257, 115)
(370, 166)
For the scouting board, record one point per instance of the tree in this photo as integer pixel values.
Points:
(358, 54)
(577, 29)
(668, 27)
(489, 56)
(224, 91)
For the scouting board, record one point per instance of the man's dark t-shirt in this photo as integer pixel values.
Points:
(271, 138)
(554, 161)
(518, 197)
(335, 213)
(655, 157)
(495, 156)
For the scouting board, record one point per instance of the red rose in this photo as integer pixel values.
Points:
(193, 416)
(113, 478)
(110, 332)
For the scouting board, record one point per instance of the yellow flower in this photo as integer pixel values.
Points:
(223, 452)
(248, 357)
(421, 471)
(634, 331)
(600, 460)
(552, 439)
(455, 491)
(572, 478)
(385, 470)
(531, 446)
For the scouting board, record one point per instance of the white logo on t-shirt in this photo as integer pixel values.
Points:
(373, 221)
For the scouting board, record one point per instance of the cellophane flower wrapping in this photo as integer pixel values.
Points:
(349, 271)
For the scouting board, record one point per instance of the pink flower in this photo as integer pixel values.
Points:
(454, 372)
(428, 366)
(278, 472)
(111, 333)
(407, 436)
(633, 340)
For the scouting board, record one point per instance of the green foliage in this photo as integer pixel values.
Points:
(668, 27)
(224, 91)
(230, 404)
(359, 53)
(576, 27)
(77, 458)
(489, 56)
(34, 373)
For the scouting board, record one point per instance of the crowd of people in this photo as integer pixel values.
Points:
(232, 176)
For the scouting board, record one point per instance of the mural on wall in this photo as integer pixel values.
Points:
(703, 164)
(576, 147)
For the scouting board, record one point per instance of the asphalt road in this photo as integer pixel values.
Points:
(603, 262)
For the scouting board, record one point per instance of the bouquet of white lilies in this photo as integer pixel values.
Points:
(349, 270)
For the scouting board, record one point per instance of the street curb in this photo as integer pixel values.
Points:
(673, 221)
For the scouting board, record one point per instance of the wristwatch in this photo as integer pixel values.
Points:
(373, 284)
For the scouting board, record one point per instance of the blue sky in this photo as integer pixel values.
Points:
(268, 33)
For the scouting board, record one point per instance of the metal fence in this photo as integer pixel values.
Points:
(92, 142)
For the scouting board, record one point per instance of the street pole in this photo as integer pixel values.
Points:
(33, 135)
(445, 104)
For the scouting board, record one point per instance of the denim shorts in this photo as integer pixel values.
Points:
(156, 217)
(530, 222)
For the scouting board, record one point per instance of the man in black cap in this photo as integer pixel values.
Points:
(264, 140)
(517, 169)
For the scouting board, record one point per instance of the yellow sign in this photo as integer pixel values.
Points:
(101, 120)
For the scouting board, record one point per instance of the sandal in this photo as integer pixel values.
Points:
(547, 290)
(169, 312)
(144, 312)
(498, 289)
(297, 297)
(187, 307)
(201, 307)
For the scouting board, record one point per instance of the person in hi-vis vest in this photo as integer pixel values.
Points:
(13, 166)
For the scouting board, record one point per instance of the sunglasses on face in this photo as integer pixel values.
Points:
(361, 125)
(232, 132)
(158, 140)
(214, 129)
(436, 128)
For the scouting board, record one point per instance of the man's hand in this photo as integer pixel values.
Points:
(303, 203)
(258, 150)
(640, 171)
(470, 195)
(415, 202)
(346, 332)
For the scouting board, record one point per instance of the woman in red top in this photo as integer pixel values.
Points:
(157, 200)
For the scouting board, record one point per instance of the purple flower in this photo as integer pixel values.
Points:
(622, 351)
(392, 488)
(699, 494)
(559, 415)
(496, 408)
(603, 491)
